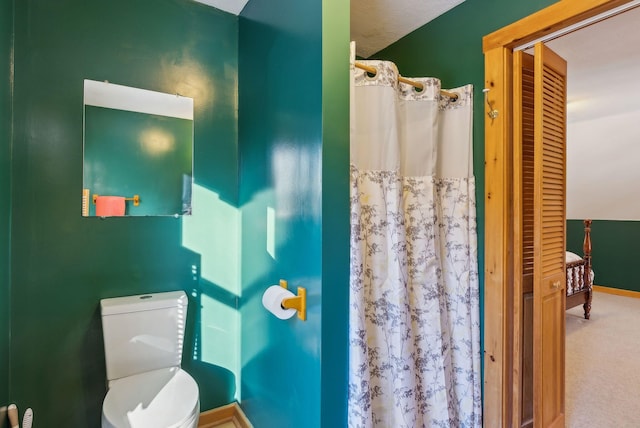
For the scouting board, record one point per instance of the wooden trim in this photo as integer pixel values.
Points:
(498, 262)
(230, 413)
(617, 291)
(546, 21)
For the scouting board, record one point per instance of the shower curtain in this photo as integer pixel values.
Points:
(414, 300)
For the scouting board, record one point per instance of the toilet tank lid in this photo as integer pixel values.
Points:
(142, 302)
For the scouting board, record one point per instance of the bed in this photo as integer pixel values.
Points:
(580, 275)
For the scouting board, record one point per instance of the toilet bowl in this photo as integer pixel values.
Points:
(164, 398)
(143, 338)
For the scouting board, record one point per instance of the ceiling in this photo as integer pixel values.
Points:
(231, 6)
(375, 24)
(603, 61)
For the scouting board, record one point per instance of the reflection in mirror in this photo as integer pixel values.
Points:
(138, 152)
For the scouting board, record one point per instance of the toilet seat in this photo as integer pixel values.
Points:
(163, 398)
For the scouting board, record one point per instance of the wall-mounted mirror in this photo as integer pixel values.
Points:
(138, 152)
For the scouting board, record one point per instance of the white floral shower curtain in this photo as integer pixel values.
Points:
(414, 299)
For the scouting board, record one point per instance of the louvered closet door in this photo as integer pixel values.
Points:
(523, 234)
(549, 276)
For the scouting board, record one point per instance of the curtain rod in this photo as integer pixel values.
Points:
(418, 85)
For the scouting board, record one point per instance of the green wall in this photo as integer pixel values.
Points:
(615, 249)
(335, 211)
(63, 264)
(6, 42)
(294, 157)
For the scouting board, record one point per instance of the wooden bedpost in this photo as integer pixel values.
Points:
(586, 251)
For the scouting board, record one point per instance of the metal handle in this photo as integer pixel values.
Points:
(556, 285)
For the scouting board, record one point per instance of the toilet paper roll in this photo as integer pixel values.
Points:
(272, 301)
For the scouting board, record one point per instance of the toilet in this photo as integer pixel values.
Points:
(143, 338)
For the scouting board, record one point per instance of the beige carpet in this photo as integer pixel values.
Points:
(603, 364)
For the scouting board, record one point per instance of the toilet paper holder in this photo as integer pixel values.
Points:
(299, 303)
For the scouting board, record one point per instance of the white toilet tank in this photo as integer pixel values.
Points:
(143, 333)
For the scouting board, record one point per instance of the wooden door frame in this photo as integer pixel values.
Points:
(501, 406)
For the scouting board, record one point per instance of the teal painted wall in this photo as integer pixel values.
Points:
(6, 43)
(63, 264)
(450, 48)
(280, 140)
(615, 249)
(294, 150)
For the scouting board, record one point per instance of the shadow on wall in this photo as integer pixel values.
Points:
(213, 335)
(92, 369)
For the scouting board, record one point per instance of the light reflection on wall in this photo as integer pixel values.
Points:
(156, 141)
(213, 231)
(263, 234)
(260, 251)
(220, 336)
(297, 170)
(189, 79)
(271, 232)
